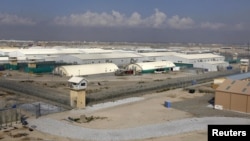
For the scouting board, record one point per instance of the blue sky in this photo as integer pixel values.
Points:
(205, 21)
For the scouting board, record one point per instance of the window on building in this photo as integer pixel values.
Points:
(244, 89)
(248, 84)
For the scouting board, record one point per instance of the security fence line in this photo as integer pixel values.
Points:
(15, 114)
(9, 116)
(109, 94)
(167, 84)
(31, 90)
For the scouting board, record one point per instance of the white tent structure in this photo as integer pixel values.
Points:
(84, 70)
(151, 67)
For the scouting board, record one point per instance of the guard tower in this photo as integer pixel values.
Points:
(78, 86)
(244, 63)
(31, 64)
(13, 63)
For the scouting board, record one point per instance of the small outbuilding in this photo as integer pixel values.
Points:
(233, 95)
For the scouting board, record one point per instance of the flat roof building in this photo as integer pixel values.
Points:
(233, 95)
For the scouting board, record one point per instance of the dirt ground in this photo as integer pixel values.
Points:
(151, 110)
(148, 111)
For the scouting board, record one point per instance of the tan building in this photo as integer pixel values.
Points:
(233, 95)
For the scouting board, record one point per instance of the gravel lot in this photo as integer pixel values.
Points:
(192, 115)
(64, 129)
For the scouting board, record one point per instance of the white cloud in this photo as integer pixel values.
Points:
(7, 19)
(114, 19)
(180, 23)
(209, 25)
(91, 19)
(157, 20)
(133, 20)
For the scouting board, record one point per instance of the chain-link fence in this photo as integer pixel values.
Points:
(9, 116)
(13, 115)
(38, 109)
(167, 84)
(107, 94)
(54, 97)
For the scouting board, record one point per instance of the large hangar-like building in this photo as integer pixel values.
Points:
(84, 70)
(151, 67)
(41, 60)
(212, 66)
(207, 61)
(20, 58)
(118, 58)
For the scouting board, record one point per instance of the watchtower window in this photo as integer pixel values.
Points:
(248, 84)
(244, 89)
(82, 84)
(233, 82)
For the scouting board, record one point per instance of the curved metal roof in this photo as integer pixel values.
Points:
(155, 65)
(88, 69)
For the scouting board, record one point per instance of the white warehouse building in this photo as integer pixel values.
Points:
(207, 61)
(118, 58)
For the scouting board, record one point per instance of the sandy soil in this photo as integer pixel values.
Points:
(148, 111)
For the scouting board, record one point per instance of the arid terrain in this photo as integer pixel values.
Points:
(149, 109)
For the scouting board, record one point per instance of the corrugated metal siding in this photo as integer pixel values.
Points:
(198, 56)
(184, 65)
(106, 56)
(248, 104)
(156, 65)
(223, 99)
(155, 54)
(238, 102)
(45, 51)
